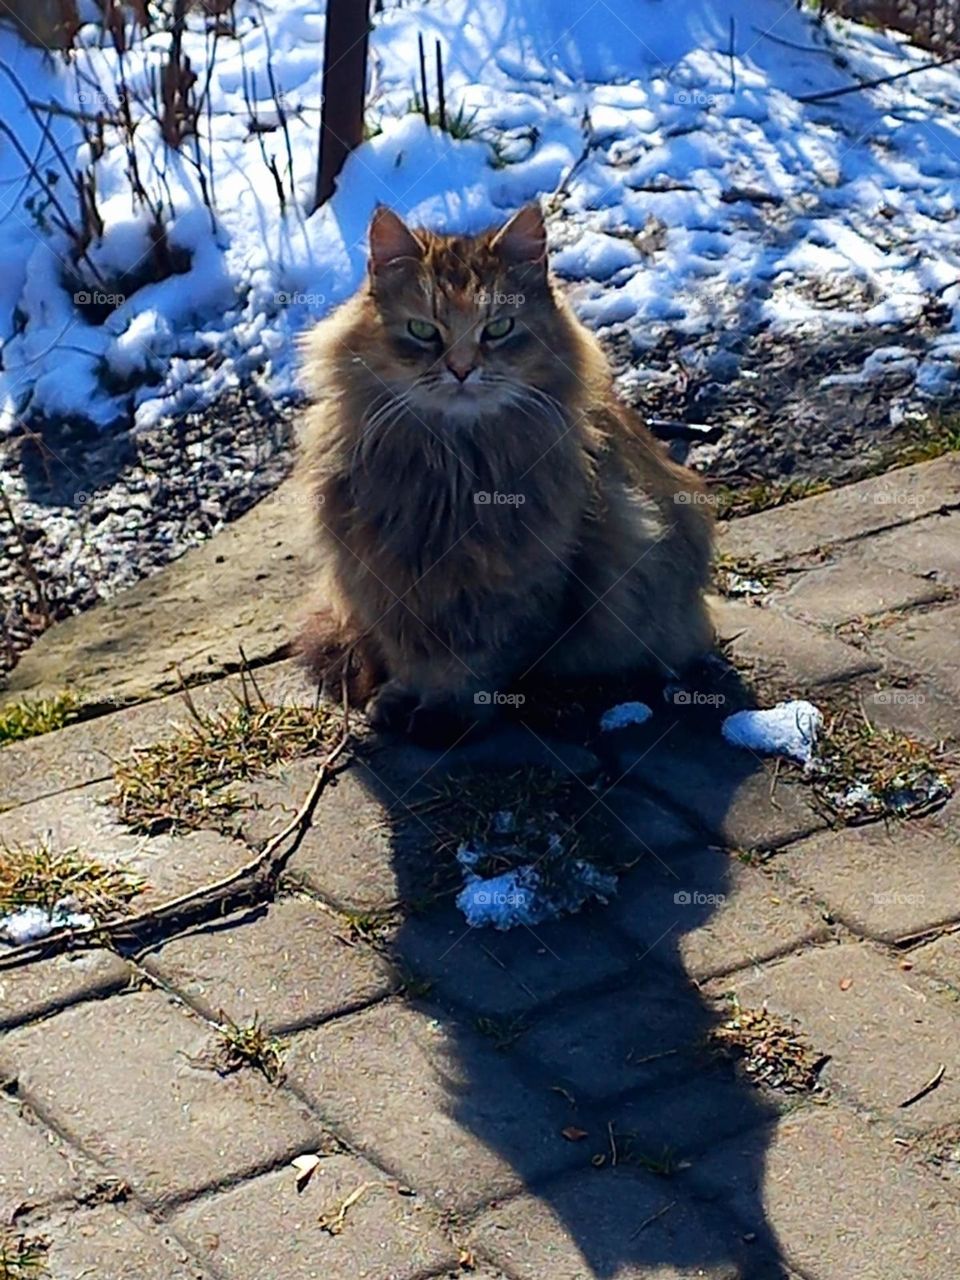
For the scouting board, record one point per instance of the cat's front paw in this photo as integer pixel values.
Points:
(441, 725)
(390, 708)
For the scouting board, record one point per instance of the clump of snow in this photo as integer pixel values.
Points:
(788, 729)
(625, 713)
(31, 924)
(526, 894)
(741, 585)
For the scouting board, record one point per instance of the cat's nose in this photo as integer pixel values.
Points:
(460, 371)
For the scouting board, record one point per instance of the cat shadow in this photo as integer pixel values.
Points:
(579, 1051)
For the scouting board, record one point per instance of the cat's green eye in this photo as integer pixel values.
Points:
(423, 331)
(498, 328)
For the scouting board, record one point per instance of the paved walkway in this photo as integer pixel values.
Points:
(543, 1104)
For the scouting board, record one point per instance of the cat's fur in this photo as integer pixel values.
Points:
(591, 555)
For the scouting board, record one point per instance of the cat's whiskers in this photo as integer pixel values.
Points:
(376, 425)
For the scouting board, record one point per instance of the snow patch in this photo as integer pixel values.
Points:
(625, 713)
(788, 729)
(867, 185)
(523, 895)
(31, 924)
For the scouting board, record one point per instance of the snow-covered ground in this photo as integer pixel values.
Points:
(707, 190)
(696, 195)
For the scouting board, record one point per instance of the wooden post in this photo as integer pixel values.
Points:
(344, 85)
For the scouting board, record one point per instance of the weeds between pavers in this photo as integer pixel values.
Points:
(741, 577)
(33, 716)
(532, 814)
(247, 1044)
(767, 1050)
(38, 876)
(183, 782)
(940, 1151)
(863, 772)
(22, 1257)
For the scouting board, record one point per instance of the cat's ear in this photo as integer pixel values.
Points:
(523, 240)
(391, 240)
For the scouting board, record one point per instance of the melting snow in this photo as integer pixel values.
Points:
(625, 713)
(30, 924)
(524, 895)
(698, 186)
(788, 729)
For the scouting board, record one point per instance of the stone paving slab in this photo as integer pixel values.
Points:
(854, 586)
(709, 913)
(530, 1081)
(429, 1100)
(930, 548)
(350, 853)
(928, 643)
(886, 1033)
(240, 584)
(729, 793)
(507, 975)
(881, 502)
(939, 959)
(36, 1167)
(864, 877)
(672, 1126)
(789, 655)
(83, 819)
(127, 1080)
(286, 965)
(614, 1222)
(265, 1228)
(114, 1243)
(85, 751)
(912, 706)
(842, 1201)
(47, 985)
(608, 1044)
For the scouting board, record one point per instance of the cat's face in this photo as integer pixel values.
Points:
(462, 319)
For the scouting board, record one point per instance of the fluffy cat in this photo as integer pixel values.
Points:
(486, 508)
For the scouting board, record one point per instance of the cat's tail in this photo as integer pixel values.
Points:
(342, 659)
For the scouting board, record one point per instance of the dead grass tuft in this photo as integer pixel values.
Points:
(864, 772)
(532, 814)
(249, 1045)
(40, 877)
(184, 782)
(768, 1050)
(22, 1257)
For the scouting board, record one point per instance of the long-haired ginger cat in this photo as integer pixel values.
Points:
(487, 510)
